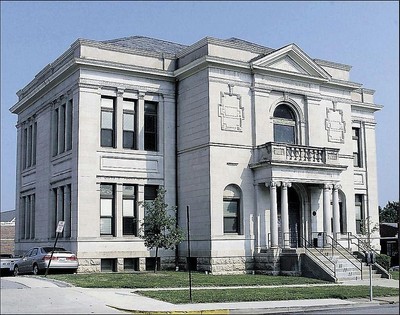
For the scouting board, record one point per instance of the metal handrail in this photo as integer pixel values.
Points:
(365, 248)
(334, 265)
(337, 243)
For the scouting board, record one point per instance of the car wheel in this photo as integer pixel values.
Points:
(35, 269)
(16, 271)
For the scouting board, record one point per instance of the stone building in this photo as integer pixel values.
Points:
(271, 149)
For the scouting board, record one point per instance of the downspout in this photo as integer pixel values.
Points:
(366, 181)
(176, 171)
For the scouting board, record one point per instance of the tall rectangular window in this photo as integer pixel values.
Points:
(129, 124)
(107, 122)
(107, 205)
(27, 217)
(356, 147)
(231, 215)
(150, 126)
(359, 211)
(29, 142)
(129, 210)
(62, 127)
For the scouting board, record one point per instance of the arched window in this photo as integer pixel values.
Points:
(284, 124)
(232, 196)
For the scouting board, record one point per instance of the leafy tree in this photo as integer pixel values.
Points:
(390, 213)
(159, 229)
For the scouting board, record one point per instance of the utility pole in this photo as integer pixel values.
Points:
(188, 262)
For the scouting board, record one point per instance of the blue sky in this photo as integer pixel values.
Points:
(363, 34)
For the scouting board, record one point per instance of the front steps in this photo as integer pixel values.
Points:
(342, 265)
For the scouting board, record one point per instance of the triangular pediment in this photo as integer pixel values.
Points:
(292, 60)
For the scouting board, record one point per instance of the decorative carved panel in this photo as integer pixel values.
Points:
(334, 124)
(231, 111)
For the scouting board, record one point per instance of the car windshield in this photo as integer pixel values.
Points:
(56, 249)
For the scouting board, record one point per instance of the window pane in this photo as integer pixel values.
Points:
(230, 225)
(129, 191)
(150, 192)
(129, 120)
(107, 103)
(106, 120)
(106, 207)
(129, 226)
(284, 134)
(105, 226)
(283, 111)
(128, 207)
(106, 138)
(150, 123)
(106, 190)
(129, 140)
(128, 104)
(150, 108)
(230, 208)
(150, 142)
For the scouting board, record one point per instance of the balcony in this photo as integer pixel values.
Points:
(272, 153)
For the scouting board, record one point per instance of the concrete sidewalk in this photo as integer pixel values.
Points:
(129, 301)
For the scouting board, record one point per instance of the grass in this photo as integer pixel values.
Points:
(149, 280)
(395, 274)
(268, 294)
(175, 280)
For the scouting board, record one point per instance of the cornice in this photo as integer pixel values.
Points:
(111, 47)
(21, 104)
(125, 67)
(332, 64)
(368, 106)
(225, 43)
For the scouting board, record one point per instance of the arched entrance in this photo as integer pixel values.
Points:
(294, 207)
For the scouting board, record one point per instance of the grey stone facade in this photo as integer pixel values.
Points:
(268, 147)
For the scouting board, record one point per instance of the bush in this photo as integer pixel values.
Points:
(383, 260)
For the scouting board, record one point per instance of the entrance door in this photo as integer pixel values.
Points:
(294, 218)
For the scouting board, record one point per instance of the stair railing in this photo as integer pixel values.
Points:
(363, 247)
(306, 242)
(347, 251)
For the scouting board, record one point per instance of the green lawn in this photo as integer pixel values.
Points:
(141, 280)
(268, 294)
(395, 274)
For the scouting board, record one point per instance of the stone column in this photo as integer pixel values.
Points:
(118, 210)
(119, 110)
(67, 214)
(327, 211)
(274, 214)
(336, 215)
(285, 214)
(140, 209)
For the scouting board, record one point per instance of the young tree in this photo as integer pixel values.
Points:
(390, 213)
(159, 229)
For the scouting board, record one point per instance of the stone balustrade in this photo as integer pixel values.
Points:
(274, 152)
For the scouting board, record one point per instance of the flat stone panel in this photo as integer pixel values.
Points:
(129, 164)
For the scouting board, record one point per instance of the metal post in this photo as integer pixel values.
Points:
(370, 281)
(188, 238)
(51, 256)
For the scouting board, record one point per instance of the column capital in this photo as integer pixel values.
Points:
(272, 184)
(286, 184)
(120, 92)
(142, 94)
(337, 186)
(327, 186)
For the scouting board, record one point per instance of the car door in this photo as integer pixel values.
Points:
(23, 264)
